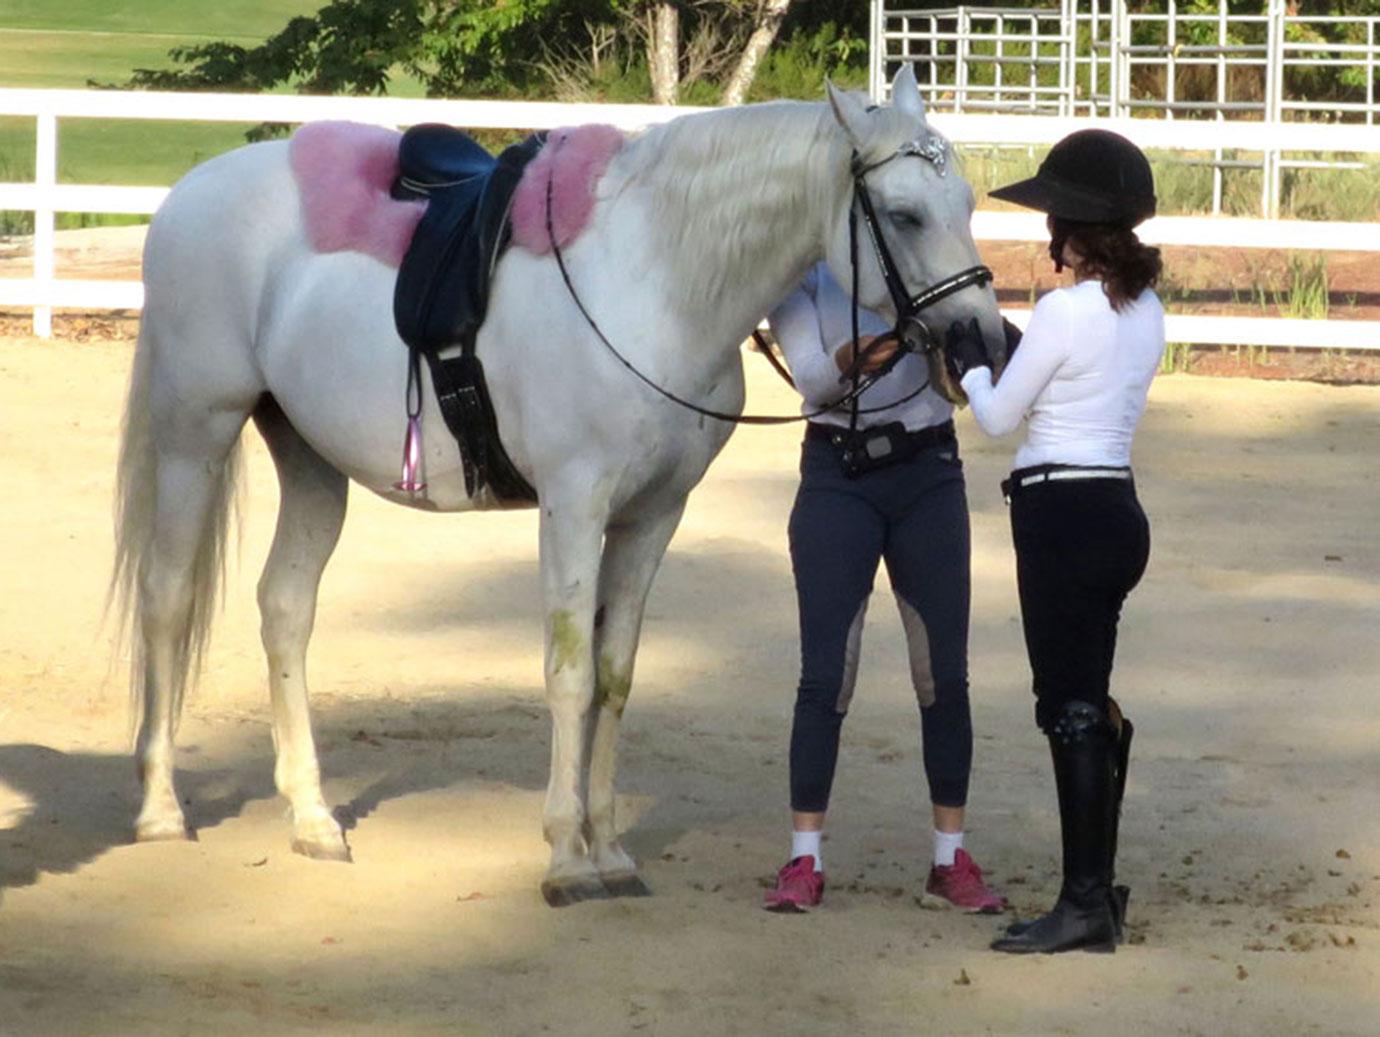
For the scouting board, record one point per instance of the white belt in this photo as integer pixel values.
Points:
(1074, 473)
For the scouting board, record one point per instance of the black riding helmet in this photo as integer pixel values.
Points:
(1091, 176)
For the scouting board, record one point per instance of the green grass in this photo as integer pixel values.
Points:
(50, 44)
(221, 19)
(44, 43)
(48, 60)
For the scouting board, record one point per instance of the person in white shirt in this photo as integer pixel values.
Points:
(886, 484)
(1079, 379)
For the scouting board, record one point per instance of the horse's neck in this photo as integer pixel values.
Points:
(741, 201)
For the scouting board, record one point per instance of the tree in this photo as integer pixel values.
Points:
(456, 47)
(770, 15)
(663, 51)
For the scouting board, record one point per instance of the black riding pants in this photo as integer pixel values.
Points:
(1081, 546)
(913, 515)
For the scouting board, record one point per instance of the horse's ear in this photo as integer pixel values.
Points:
(905, 93)
(849, 112)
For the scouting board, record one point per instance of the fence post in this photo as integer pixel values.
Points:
(965, 32)
(876, 64)
(1114, 58)
(1274, 108)
(1218, 179)
(45, 179)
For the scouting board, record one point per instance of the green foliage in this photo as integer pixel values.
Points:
(1333, 194)
(358, 46)
(516, 48)
(1176, 358)
(798, 65)
(1306, 295)
(990, 167)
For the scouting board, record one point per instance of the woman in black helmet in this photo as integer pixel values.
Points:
(1080, 376)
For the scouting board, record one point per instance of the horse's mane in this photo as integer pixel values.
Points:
(750, 162)
(721, 181)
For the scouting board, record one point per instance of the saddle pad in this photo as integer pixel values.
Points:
(344, 171)
(572, 162)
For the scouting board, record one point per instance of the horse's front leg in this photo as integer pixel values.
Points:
(571, 534)
(632, 553)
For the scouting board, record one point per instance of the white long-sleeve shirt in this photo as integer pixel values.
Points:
(811, 324)
(1081, 375)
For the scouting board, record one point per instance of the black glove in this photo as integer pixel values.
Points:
(964, 348)
(1013, 338)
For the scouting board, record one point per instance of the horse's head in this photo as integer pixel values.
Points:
(907, 195)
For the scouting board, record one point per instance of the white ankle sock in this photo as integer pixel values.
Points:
(807, 844)
(946, 845)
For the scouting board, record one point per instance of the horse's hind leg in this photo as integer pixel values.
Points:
(183, 465)
(632, 554)
(310, 515)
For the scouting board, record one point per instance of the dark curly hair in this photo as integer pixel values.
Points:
(1112, 253)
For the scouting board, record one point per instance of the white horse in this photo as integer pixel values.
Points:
(700, 226)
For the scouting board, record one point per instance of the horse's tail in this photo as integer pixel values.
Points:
(136, 498)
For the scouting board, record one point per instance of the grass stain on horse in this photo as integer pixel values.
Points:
(612, 688)
(565, 640)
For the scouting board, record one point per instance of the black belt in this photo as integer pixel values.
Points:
(921, 439)
(1035, 475)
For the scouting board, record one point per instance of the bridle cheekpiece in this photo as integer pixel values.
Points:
(912, 332)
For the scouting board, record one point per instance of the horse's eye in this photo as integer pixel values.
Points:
(906, 220)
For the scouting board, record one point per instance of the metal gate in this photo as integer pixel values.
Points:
(1098, 58)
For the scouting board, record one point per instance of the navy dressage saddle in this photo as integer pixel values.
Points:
(442, 291)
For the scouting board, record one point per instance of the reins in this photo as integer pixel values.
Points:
(910, 331)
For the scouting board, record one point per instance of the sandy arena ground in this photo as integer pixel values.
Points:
(1249, 660)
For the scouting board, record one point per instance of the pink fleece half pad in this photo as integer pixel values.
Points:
(573, 161)
(343, 172)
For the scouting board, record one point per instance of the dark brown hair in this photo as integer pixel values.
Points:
(1112, 253)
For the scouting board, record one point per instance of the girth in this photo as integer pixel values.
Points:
(442, 291)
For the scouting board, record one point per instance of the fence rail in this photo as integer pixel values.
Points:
(45, 196)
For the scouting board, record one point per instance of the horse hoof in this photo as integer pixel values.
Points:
(323, 851)
(163, 831)
(566, 891)
(625, 886)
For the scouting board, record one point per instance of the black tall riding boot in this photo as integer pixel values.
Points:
(1121, 895)
(1084, 748)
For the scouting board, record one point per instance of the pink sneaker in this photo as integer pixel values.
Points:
(798, 887)
(961, 885)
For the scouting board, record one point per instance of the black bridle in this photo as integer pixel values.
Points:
(911, 332)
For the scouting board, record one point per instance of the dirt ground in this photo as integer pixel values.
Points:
(1249, 660)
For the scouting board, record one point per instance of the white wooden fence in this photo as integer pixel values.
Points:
(45, 196)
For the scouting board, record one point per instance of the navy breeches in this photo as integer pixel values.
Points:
(913, 515)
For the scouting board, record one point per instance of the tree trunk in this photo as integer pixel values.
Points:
(663, 52)
(773, 13)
